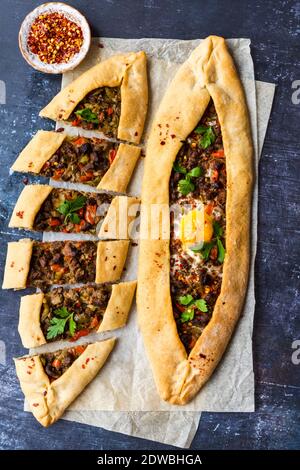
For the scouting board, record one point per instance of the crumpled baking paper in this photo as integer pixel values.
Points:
(123, 397)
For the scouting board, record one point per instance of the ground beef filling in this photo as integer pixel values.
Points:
(84, 307)
(99, 110)
(198, 273)
(81, 160)
(72, 211)
(62, 263)
(56, 363)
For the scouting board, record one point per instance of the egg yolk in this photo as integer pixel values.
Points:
(196, 227)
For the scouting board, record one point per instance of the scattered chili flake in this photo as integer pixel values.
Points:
(87, 360)
(114, 267)
(162, 142)
(54, 38)
(83, 366)
(20, 214)
(61, 129)
(202, 355)
(12, 264)
(173, 136)
(35, 404)
(136, 133)
(25, 180)
(45, 393)
(100, 45)
(134, 244)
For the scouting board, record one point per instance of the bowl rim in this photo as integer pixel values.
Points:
(41, 66)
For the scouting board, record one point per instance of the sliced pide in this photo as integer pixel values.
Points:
(69, 314)
(31, 263)
(193, 277)
(92, 161)
(111, 97)
(47, 209)
(51, 381)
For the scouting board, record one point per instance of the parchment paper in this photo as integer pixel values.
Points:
(126, 383)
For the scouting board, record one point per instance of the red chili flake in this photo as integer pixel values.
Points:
(20, 214)
(173, 136)
(12, 264)
(202, 355)
(28, 372)
(87, 360)
(83, 366)
(35, 404)
(25, 180)
(167, 125)
(159, 125)
(100, 45)
(61, 129)
(45, 393)
(21, 269)
(114, 267)
(136, 133)
(30, 164)
(54, 38)
(105, 258)
(162, 142)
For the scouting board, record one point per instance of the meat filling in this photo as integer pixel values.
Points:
(198, 182)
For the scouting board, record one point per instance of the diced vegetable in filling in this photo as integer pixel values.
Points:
(81, 160)
(55, 364)
(73, 313)
(198, 187)
(62, 263)
(72, 211)
(99, 110)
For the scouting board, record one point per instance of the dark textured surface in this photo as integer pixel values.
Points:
(274, 31)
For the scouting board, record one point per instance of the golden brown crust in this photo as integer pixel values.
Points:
(118, 307)
(111, 257)
(17, 264)
(48, 401)
(38, 151)
(29, 327)
(126, 70)
(208, 73)
(119, 173)
(28, 205)
(115, 315)
(118, 220)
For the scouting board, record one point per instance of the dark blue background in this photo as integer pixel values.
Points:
(273, 27)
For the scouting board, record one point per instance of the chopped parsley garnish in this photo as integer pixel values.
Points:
(208, 136)
(69, 208)
(191, 304)
(87, 115)
(59, 322)
(186, 186)
(205, 248)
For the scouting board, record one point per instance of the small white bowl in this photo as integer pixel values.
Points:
(70, 13)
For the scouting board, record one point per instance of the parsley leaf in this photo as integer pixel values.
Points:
(201, 305)
(200, 129)
(58, 323)
(72, 325)
(57, 327)
(185, 187)
(87, 115)
(186, 299)
(62, 312)
(179, 169)
(67, 208)
(196, 172)
(218, 230)
(203, 249)
(221, 251)
(187, 315)
(208, 138)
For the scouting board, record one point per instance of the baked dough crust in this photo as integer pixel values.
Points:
(38, 151)
(28, 205)
(110, 260)
(45, 143)
(118, 220)
(119, 173)
(115, 315)
(129, 71)
(121, 212)
(17, 264)
(48, 401)
(111, 257)
(208, 73)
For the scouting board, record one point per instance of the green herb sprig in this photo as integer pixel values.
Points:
(69, 209)
(59, 321)
(205, 248)
(191, 304)
(186, 185)
(208, 136)
(87, 115)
